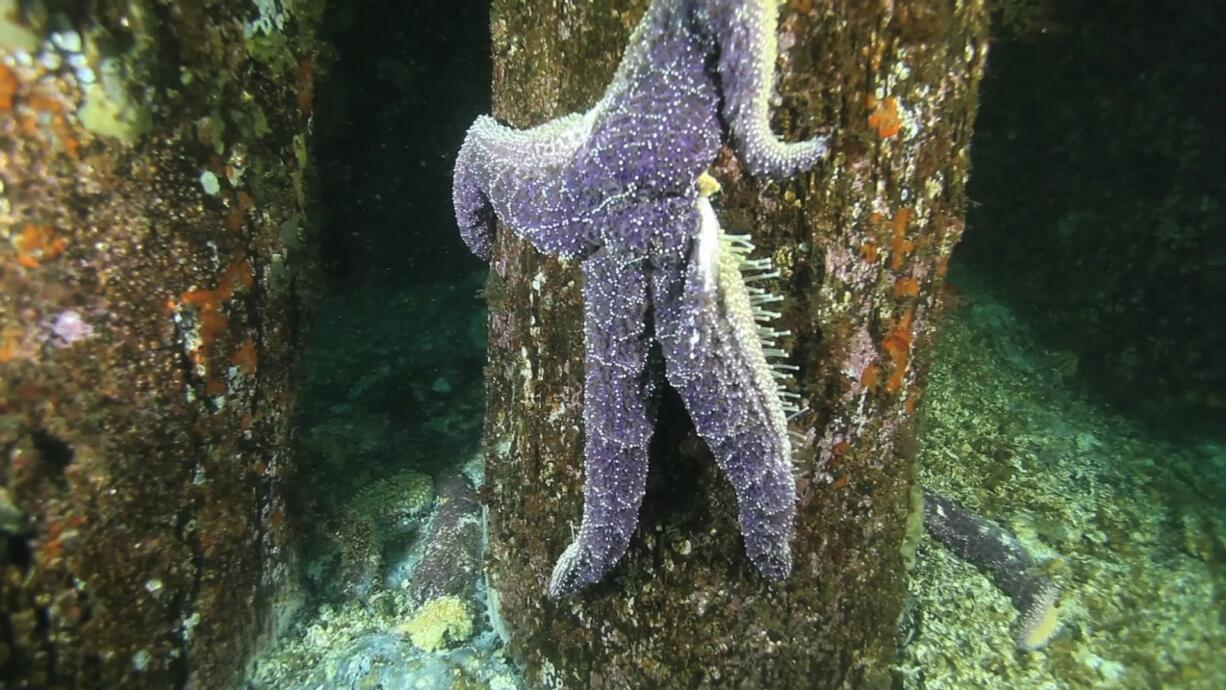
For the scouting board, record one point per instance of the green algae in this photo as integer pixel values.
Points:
(108, 110)
(13, 34)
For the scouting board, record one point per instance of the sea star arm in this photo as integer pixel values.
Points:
(705, 324)
(620, 393)
(517, 176)
(1011, 566)
(744, 31)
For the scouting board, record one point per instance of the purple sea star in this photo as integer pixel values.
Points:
(1011, 566)
(624, 188)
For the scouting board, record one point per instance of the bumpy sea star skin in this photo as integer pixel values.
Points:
(623, 187)
(997, 552)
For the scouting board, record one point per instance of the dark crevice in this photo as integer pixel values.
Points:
(17, 551)
(52, 450)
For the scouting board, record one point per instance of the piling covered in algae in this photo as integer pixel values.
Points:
(861, 245)
(153, 161)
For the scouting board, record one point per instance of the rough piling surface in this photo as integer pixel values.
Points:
(153, 161)
(861, 246)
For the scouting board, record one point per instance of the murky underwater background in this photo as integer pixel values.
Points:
(1076, 399)
(1076, 395)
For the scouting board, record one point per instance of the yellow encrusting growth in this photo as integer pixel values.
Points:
(707, 185)
(438, 619)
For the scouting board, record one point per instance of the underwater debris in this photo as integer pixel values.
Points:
(997, 552)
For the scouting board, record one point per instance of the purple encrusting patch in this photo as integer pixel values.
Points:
(619, 187)
(66, 328)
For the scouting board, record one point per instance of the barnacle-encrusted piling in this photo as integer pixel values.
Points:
(149, 293)
(684, 607)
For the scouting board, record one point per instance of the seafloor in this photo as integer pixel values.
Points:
(1130, 523)
(1133, 521)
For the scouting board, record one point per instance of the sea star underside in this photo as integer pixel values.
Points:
(623, 187)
